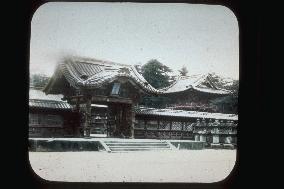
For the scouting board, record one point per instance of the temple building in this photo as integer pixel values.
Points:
(211, 128)
(84, 82)
(193, 93)
(50, 116)
(107, 100)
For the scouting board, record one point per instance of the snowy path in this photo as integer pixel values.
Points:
(178, 166)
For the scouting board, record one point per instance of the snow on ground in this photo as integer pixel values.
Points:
(167, 166)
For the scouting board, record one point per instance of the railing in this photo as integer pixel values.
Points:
(180, 129)
(163, 129)
(162, 134)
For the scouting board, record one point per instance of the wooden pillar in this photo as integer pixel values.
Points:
(78, 104)
(182, 129)
(132, 121)
(171, 124)
(158, 129)
(158, 124)
(145, 128)
(87, 121)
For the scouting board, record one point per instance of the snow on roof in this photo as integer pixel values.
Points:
(40, 95)
(213, 91)
(182, 83)
(99, 105)
(93, 73)
(227, 81)
(49, 104)
(38, 99)
(195, 82)
(183, 113)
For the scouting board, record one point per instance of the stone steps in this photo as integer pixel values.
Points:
(129, 146)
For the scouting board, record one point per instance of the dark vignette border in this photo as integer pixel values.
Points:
(250, 92)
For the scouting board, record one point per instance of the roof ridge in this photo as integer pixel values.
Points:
(179, 78)
(96, 61)
(199, 80)
(166, 88)
(46, 100)
(190, 76)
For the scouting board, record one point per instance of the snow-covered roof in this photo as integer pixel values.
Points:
(38, 99)
(99, 105)
(200, 83)
(40, 95)
(183, 113)
(93, 73)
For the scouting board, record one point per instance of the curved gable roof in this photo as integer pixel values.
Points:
(200, 83)
(93, 73)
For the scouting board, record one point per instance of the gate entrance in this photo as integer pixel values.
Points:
(112, 120)
(99, 119)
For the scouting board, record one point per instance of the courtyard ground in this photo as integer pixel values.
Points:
(167, 166)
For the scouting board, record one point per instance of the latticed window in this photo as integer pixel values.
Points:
(34, 119)
(152, 124)
(165, 125)
(139, 124)
(53, 120)
(45, 120)
(188, 126)
(176, 125)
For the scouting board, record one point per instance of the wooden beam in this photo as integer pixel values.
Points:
(76, 99)
(99, 99)
(111, 99)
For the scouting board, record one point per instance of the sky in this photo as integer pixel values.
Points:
(203, 38)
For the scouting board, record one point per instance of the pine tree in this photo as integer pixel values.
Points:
(156, 73)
